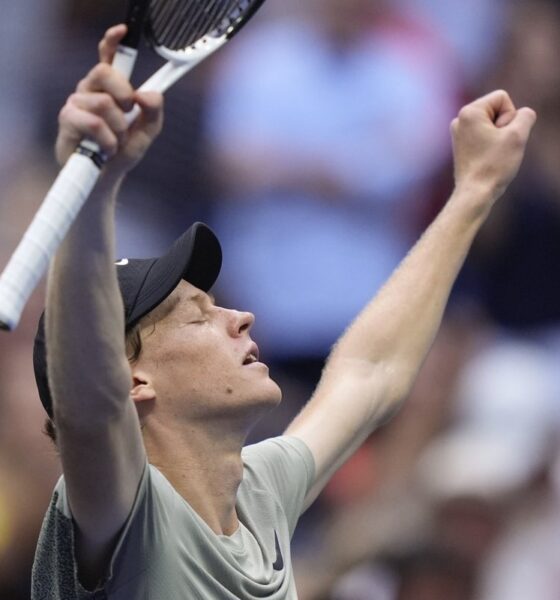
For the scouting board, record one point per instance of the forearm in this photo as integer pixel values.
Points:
(394, 332)
(88, 371)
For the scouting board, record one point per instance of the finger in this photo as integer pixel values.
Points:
(78, 124)
(102, 78)
(524, 121)
(104, 106)
(454, 125)
(110, 42)
(495, 104)
(505, 119)
(151, 104)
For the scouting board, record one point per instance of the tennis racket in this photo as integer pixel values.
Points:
(184, 32)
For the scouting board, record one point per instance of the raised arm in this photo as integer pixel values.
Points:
(373, 366)
(97, 426)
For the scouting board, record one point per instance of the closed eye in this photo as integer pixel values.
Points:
(198, 321)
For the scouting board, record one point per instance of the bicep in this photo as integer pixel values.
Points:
(342, 413)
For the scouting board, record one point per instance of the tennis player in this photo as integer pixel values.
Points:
(152, 388)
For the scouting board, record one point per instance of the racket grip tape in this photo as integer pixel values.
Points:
(40, 242)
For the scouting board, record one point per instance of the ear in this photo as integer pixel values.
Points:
(142, 388)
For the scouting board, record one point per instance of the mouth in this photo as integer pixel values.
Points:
(252, 356)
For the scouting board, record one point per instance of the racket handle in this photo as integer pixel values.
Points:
(124, 60)
(58, 211)
(31, 258)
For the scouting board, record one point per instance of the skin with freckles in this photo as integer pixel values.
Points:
(199, 390)
(191, 367)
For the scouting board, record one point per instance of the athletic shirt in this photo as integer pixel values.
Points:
(167, 552)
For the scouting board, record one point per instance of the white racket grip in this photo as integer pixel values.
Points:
(56, 214)
(124, 60)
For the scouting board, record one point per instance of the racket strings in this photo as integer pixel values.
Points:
(177, 24)
(201, 23)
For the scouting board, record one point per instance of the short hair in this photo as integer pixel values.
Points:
(133, 340)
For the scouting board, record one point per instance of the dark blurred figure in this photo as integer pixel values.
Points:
(427, 573)
(28, 467)
(514, 264)
(434, 574)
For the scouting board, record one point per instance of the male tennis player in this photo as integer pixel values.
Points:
(159, 499)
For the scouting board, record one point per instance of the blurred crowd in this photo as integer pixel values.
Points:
(317, 146)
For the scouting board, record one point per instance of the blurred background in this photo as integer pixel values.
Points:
(317, 146)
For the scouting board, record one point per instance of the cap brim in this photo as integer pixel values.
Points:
(195, 257)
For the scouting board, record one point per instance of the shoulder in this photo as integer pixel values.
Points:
(282, 468)
(277, 458)
(153, 517)
(277, 448)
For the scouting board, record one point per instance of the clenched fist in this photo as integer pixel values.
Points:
(489, 140)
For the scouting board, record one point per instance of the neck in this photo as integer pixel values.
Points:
(203, 465)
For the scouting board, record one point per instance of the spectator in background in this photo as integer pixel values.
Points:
(490, 473)
(487, 507)
(28, 466)
(337, 119)
(25, 26)
(473, 30)
(494, 477)
(28, 29)
(514, 264)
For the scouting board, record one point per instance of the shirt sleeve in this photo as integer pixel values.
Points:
(285, 467)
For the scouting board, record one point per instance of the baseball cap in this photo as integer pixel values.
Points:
(196, 257)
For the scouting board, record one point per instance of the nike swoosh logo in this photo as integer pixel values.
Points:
(279, 562)
(123, 262)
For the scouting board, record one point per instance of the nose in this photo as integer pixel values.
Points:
(240, 322)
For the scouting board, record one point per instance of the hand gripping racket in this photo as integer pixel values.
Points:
(184, 32)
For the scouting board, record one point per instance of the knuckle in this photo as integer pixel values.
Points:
(119, 127)
(72, 98)
(96, 124)
(466, 113)
(83, 84)
(73, 101)
(515, 138)
(102, 69)
(111, 146)
(104, 102)
(65, 113)
(100, 72)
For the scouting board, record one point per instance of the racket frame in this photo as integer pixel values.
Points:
(78, 177)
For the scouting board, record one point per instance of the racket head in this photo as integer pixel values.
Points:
(136, 14)
(179, 25)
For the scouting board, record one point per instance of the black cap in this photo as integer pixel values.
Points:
(145, 283)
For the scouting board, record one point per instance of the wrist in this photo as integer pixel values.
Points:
(109, 183)
(475, 198)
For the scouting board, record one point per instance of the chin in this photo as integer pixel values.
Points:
(271, 396)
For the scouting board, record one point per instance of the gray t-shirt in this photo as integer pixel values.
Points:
(167, 552)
